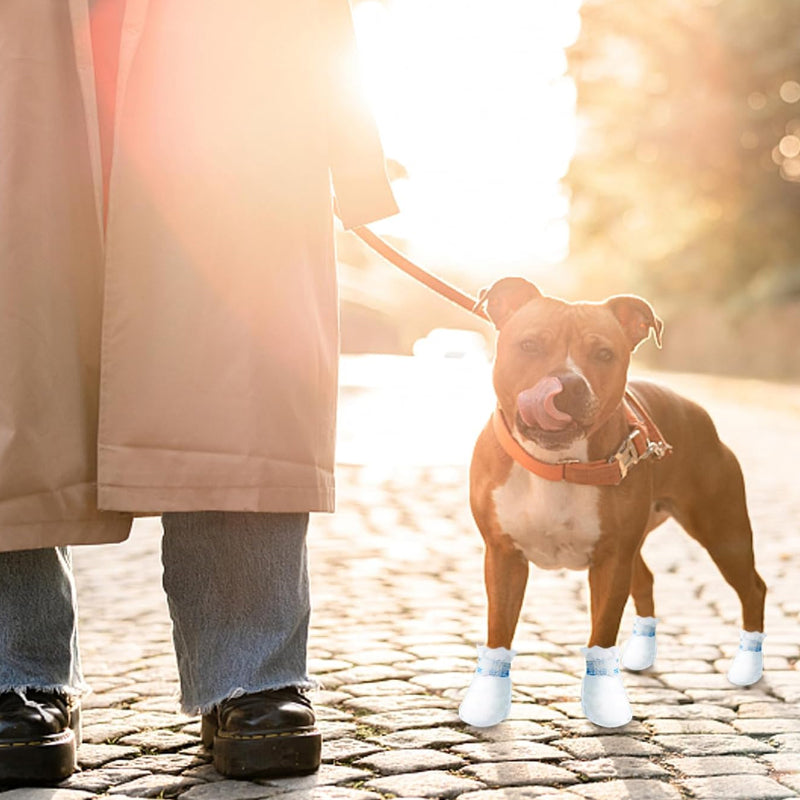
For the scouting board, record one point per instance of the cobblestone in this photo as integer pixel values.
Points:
(381, 704)
(100, 780)
(783, 762)
(509, 750)
(46, 794)
(228, 790)
(92, 756)
(516, 773)
(582, 727)
(599, 746)
(786, 741)
(766, 727)
(345, 749)
(698, 767)
(395, 762)
(330, 793)
(433, 783)
(616, 767)
(521, 793)
(709, 745)
(634, 789)
(768, 711)
(398, 608)
(703, 711)
(517, 729)
(737, 787)
(413, 718)
(425, 737)
(682, 726)
(154, 786)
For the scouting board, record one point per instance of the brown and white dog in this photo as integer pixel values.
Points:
(575, 468)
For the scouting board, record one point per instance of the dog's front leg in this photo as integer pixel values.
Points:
(609, 585)
(505, 572)
(602, 692)
(488, 699)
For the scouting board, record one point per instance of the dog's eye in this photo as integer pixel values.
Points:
(604, 354)
(533, 347)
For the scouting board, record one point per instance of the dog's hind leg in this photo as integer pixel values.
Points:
(723, 528)
(639, 652)
(734, 557)
(642, 587)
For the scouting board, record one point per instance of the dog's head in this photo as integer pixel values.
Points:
(561, 368)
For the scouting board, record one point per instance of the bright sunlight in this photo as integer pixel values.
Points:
(473, 100)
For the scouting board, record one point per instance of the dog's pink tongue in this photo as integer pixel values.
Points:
(537, 406)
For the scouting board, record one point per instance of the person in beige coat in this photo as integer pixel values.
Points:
(169, 343)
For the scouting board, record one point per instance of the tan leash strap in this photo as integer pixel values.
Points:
(418, 273)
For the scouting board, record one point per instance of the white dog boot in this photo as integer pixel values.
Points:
(488, 699)
(748, 663)
(640, 649)
(603, 696)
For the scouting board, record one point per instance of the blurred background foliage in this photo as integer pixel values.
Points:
(685, 184)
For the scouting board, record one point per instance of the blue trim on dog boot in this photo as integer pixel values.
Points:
(639, 652)
(603, 696)
(748, 663)
(488, 699)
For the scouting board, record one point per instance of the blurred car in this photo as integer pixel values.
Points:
(452, 343)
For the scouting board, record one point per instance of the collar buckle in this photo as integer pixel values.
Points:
(628, 454)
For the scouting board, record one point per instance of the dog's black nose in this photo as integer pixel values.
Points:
(574, 398)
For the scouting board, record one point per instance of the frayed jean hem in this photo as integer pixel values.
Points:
(72, 692)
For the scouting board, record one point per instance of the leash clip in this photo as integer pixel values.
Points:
(657, 449)
(628, 454)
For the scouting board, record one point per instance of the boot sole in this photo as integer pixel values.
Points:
(268, 755)
(47, 760)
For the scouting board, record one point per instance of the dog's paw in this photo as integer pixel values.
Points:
(603, 696)
(488, 699)
(748, 663)
(640, 649)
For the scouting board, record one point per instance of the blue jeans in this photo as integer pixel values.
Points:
(237, 587)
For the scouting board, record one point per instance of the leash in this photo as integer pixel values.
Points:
(426, 278)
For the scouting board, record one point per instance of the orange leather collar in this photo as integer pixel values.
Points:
(644, 441)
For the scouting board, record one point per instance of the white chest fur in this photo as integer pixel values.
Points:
(555, 524)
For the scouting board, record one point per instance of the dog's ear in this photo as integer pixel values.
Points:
(636, 317)
(504, 297)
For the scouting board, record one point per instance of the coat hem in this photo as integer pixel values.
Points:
(146, 480)
(64, 533)
(147, 501)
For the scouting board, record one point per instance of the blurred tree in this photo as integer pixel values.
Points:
(686, 180)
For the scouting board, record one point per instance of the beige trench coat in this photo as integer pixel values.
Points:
(185, 359)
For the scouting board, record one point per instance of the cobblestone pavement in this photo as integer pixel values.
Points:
(398, 608)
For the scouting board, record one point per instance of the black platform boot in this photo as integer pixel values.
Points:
(267, 734)
(38, 738)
